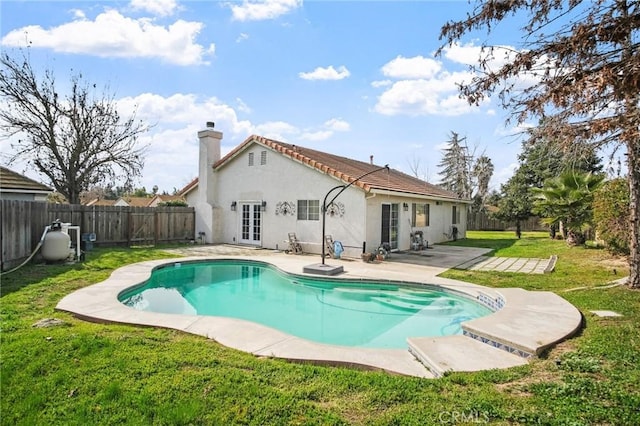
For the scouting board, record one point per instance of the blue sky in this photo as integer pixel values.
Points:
(352, 78)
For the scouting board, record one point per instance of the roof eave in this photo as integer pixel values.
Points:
(383, 191)
(26, 191)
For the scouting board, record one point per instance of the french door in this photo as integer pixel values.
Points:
(251, 224)
(389, 231)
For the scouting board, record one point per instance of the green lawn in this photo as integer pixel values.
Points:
(84, 373)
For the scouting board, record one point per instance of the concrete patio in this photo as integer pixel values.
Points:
(523, 325)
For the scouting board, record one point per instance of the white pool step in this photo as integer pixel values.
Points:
(459, 353)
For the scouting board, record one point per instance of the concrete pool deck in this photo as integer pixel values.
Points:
(524, 324)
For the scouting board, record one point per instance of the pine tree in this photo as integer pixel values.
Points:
(455, 167)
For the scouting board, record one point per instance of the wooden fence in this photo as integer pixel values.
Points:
(23, 223)
(482, 222)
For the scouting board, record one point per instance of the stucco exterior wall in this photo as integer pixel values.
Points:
(280, 180)
(440, 220)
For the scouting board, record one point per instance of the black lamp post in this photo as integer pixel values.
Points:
(322, 268)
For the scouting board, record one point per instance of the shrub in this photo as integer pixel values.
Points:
(611, 215)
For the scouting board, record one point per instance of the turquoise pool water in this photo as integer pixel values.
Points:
(347, 313)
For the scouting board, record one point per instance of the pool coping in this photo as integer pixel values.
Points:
(531, 334)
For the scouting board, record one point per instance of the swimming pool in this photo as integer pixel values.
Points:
(356, 313)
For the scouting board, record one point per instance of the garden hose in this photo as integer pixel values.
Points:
(25, 262)
(46, 229)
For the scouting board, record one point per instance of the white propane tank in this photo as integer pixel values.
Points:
(56, 244)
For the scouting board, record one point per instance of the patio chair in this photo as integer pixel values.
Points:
(328, 243)
(294, 245)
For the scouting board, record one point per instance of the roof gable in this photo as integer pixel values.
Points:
(188, 187)
(136, 201)
(345, 169)
(12, 181)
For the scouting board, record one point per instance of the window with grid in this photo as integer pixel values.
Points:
(263, 158)
(251, 158)
(308, 209)
(420, 215)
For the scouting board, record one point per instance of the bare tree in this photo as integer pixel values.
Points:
(417, 168)
(76, 140)
(584, 59)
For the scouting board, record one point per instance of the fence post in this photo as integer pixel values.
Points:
(156, 227)
(129, 226)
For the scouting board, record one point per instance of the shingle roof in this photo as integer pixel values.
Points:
(137, 201)
(10, 180)
(347, 170)
(100, 202)
(165, 197)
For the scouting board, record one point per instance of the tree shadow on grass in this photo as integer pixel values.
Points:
(494, 244)
(100, 260)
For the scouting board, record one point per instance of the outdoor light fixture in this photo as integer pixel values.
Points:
(263, 205)
(405, 206)
(233, 206)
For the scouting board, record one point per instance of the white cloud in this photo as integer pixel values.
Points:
(513, 131)
(381, 83)
(330, 127)
(423, 87)
(471, 54)
(337, 125)
(317, 136)
(502, 175)
(182, 110)
(242, 107)
(172, 158)
(114, 35)
(328, 73)
(78, 14)
(423, 97)
(251, 10)
(242, 37)
(496, 57)
(416, 67)
(156, 7)
(278, 130)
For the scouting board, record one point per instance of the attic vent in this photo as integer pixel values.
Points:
(263, 158)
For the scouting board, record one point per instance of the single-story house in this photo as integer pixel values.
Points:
(133, 201)
(14, 186)
(159, 199)
(99, 202)
(265, 189)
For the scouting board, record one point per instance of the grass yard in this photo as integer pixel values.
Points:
(82, 373)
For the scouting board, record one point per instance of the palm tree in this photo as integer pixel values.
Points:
(482, 172)
(567, 201)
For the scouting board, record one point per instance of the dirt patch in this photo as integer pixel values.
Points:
(619, 263)
(544, 371)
